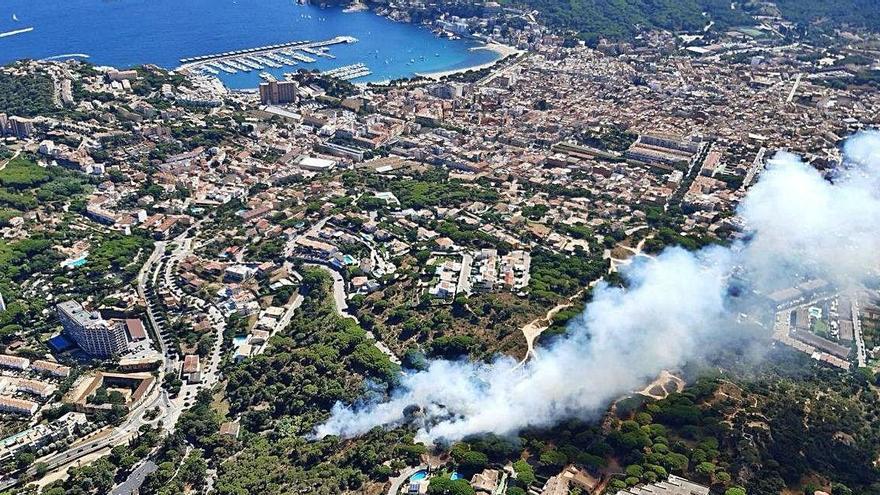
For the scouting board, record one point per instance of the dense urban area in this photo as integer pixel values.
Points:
(192, 277)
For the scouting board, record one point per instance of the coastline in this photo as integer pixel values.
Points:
(356, 6)
(503, 51)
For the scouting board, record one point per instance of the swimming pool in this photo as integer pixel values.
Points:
(74, 263)
(455, 476)
(419, 475)
(239, 340)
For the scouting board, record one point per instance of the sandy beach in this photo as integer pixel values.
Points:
(503, 52)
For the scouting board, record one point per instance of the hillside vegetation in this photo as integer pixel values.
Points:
(621, 19)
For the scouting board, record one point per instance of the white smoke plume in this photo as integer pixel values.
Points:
(676, 305)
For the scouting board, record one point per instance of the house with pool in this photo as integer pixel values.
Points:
(418, 482)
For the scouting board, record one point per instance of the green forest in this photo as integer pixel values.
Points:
(26, 96)
(621, 19)
(859, 13)
(25, 185)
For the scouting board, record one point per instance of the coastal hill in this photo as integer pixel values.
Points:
(621, 19)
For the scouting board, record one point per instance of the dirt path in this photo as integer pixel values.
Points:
(635, 252)
(534, 328)
(13, 157)
(661, 382)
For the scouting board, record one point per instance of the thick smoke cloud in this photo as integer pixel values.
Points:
(803, 225)
(677, 305)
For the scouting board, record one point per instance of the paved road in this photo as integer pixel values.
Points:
(210, 367)
(686, 180)
(284, 321)
(339, 300)
(148, 270)
(115, 436)
(135, 479)
(861, 355)
(397, 482)
(169, 410)
(502, 70)
(339, 295)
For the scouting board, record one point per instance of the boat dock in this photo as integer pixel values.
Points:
(320, 52)
(298, 56)
(250, 63)
(348, 72)
(237, 65)
(274, 56)
(224, 68)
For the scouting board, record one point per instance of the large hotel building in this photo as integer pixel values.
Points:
(92, 333)
(278, 92)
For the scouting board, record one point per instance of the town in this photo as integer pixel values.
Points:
(165, 237)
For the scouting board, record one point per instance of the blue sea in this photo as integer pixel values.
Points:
(123, 33)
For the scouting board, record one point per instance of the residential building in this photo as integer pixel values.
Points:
(230, 428)
(14, 362)
(486, 481)
(9, 384)
(674, 485)
(18, 406)
(192, 369)
(40, 435)
(278, 92)
(51, 368)
(19, 127)
(92, 333)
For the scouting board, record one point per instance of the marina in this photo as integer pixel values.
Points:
(298, 56)
(228, 70)
(203, 34)
(315, 48)
(250, 63)
(273, 56)
(348, 72)
(317, 52)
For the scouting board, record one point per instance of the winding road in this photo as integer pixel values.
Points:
(339, 300)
